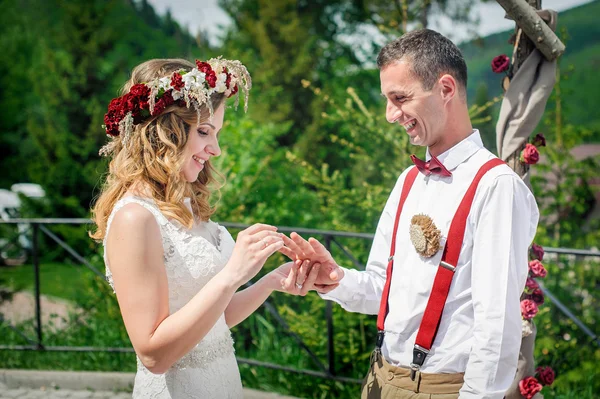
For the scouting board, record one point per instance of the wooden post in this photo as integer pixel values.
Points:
(523, 13)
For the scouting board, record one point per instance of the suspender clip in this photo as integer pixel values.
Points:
(419, 355)
(379, 341)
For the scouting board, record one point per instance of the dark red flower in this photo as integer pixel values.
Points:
(500, 63)
(530, 154)
(177, 81)
(529, 386)
(211, 78)
(165, 100)
(204, 67)
(234, 90)
(537, 296)
(539, 140)
(116, 112)
(537, 269)
(545, 375)
(528, 309)
(531, 284)
(536, 252)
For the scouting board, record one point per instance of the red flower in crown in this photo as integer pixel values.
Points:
(529, 386)
(209, 75)
(530, 154)
(528, 309)
(536, 252)
(537, 296)
(164, 102)
(177, 81)
(116, 112)
(500, 63)
(545, 375)
(537, 269)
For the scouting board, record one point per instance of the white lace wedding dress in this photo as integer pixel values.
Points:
(192, 258)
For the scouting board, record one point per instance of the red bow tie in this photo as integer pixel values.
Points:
(434, 166)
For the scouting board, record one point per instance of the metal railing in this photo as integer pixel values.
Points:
(330, 239)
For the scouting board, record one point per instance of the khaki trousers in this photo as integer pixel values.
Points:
(385, 381)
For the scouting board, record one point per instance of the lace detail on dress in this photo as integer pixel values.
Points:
(209, 369)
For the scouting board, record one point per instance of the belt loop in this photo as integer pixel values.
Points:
(416, 381)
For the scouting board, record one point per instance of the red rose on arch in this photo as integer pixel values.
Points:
(530, 154)
(537, 296)
(500, 63)
(531, 284)
(536, 252)
(545, 374)
(537, 269)
(528, 309)
(529, 386)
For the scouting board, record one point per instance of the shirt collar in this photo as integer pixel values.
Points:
(460, 152)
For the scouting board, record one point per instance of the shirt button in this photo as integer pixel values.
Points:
(390, 376)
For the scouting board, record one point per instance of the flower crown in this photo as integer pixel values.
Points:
(183, 88)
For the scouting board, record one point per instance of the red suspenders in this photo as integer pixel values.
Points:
(443, 278)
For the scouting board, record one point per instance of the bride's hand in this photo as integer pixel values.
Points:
(252, 248)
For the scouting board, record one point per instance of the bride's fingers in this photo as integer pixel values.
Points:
(289, 284)
(310, 280)
(303, 272)
(268, 246)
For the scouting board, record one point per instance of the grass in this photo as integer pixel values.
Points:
(59, 280)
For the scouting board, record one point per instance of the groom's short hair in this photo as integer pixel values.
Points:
(429, 54)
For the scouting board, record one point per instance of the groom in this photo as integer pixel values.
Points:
(449, 258)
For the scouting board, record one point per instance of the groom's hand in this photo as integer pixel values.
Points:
(298, 249)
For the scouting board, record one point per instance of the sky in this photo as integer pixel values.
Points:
(194, 14)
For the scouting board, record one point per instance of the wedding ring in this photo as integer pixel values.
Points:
(264, 243)
(299, 286)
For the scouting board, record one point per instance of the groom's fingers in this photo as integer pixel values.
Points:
(298, 253)
(288, 252)
(325, 288)
(304, 246)
(310, 280)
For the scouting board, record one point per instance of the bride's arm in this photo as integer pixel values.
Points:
(135, 255)
(245, 302)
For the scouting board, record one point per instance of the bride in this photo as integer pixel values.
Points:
(174, 271)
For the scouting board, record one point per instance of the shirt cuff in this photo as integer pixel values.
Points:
(348, 290)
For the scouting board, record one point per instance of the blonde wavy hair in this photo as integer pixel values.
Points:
(152, 158)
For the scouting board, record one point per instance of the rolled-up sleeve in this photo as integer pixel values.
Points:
(505, 221)
(360, 291)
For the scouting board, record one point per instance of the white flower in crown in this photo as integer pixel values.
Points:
(193, 77)
(221, 87)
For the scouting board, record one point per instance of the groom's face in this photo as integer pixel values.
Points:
(419, 111)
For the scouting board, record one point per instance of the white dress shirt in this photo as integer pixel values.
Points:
(480, 329)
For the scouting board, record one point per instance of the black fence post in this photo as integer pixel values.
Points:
(36, 275)
(329, 318)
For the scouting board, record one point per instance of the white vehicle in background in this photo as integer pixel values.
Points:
(14, 249)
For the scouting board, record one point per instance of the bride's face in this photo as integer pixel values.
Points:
(202, 144)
